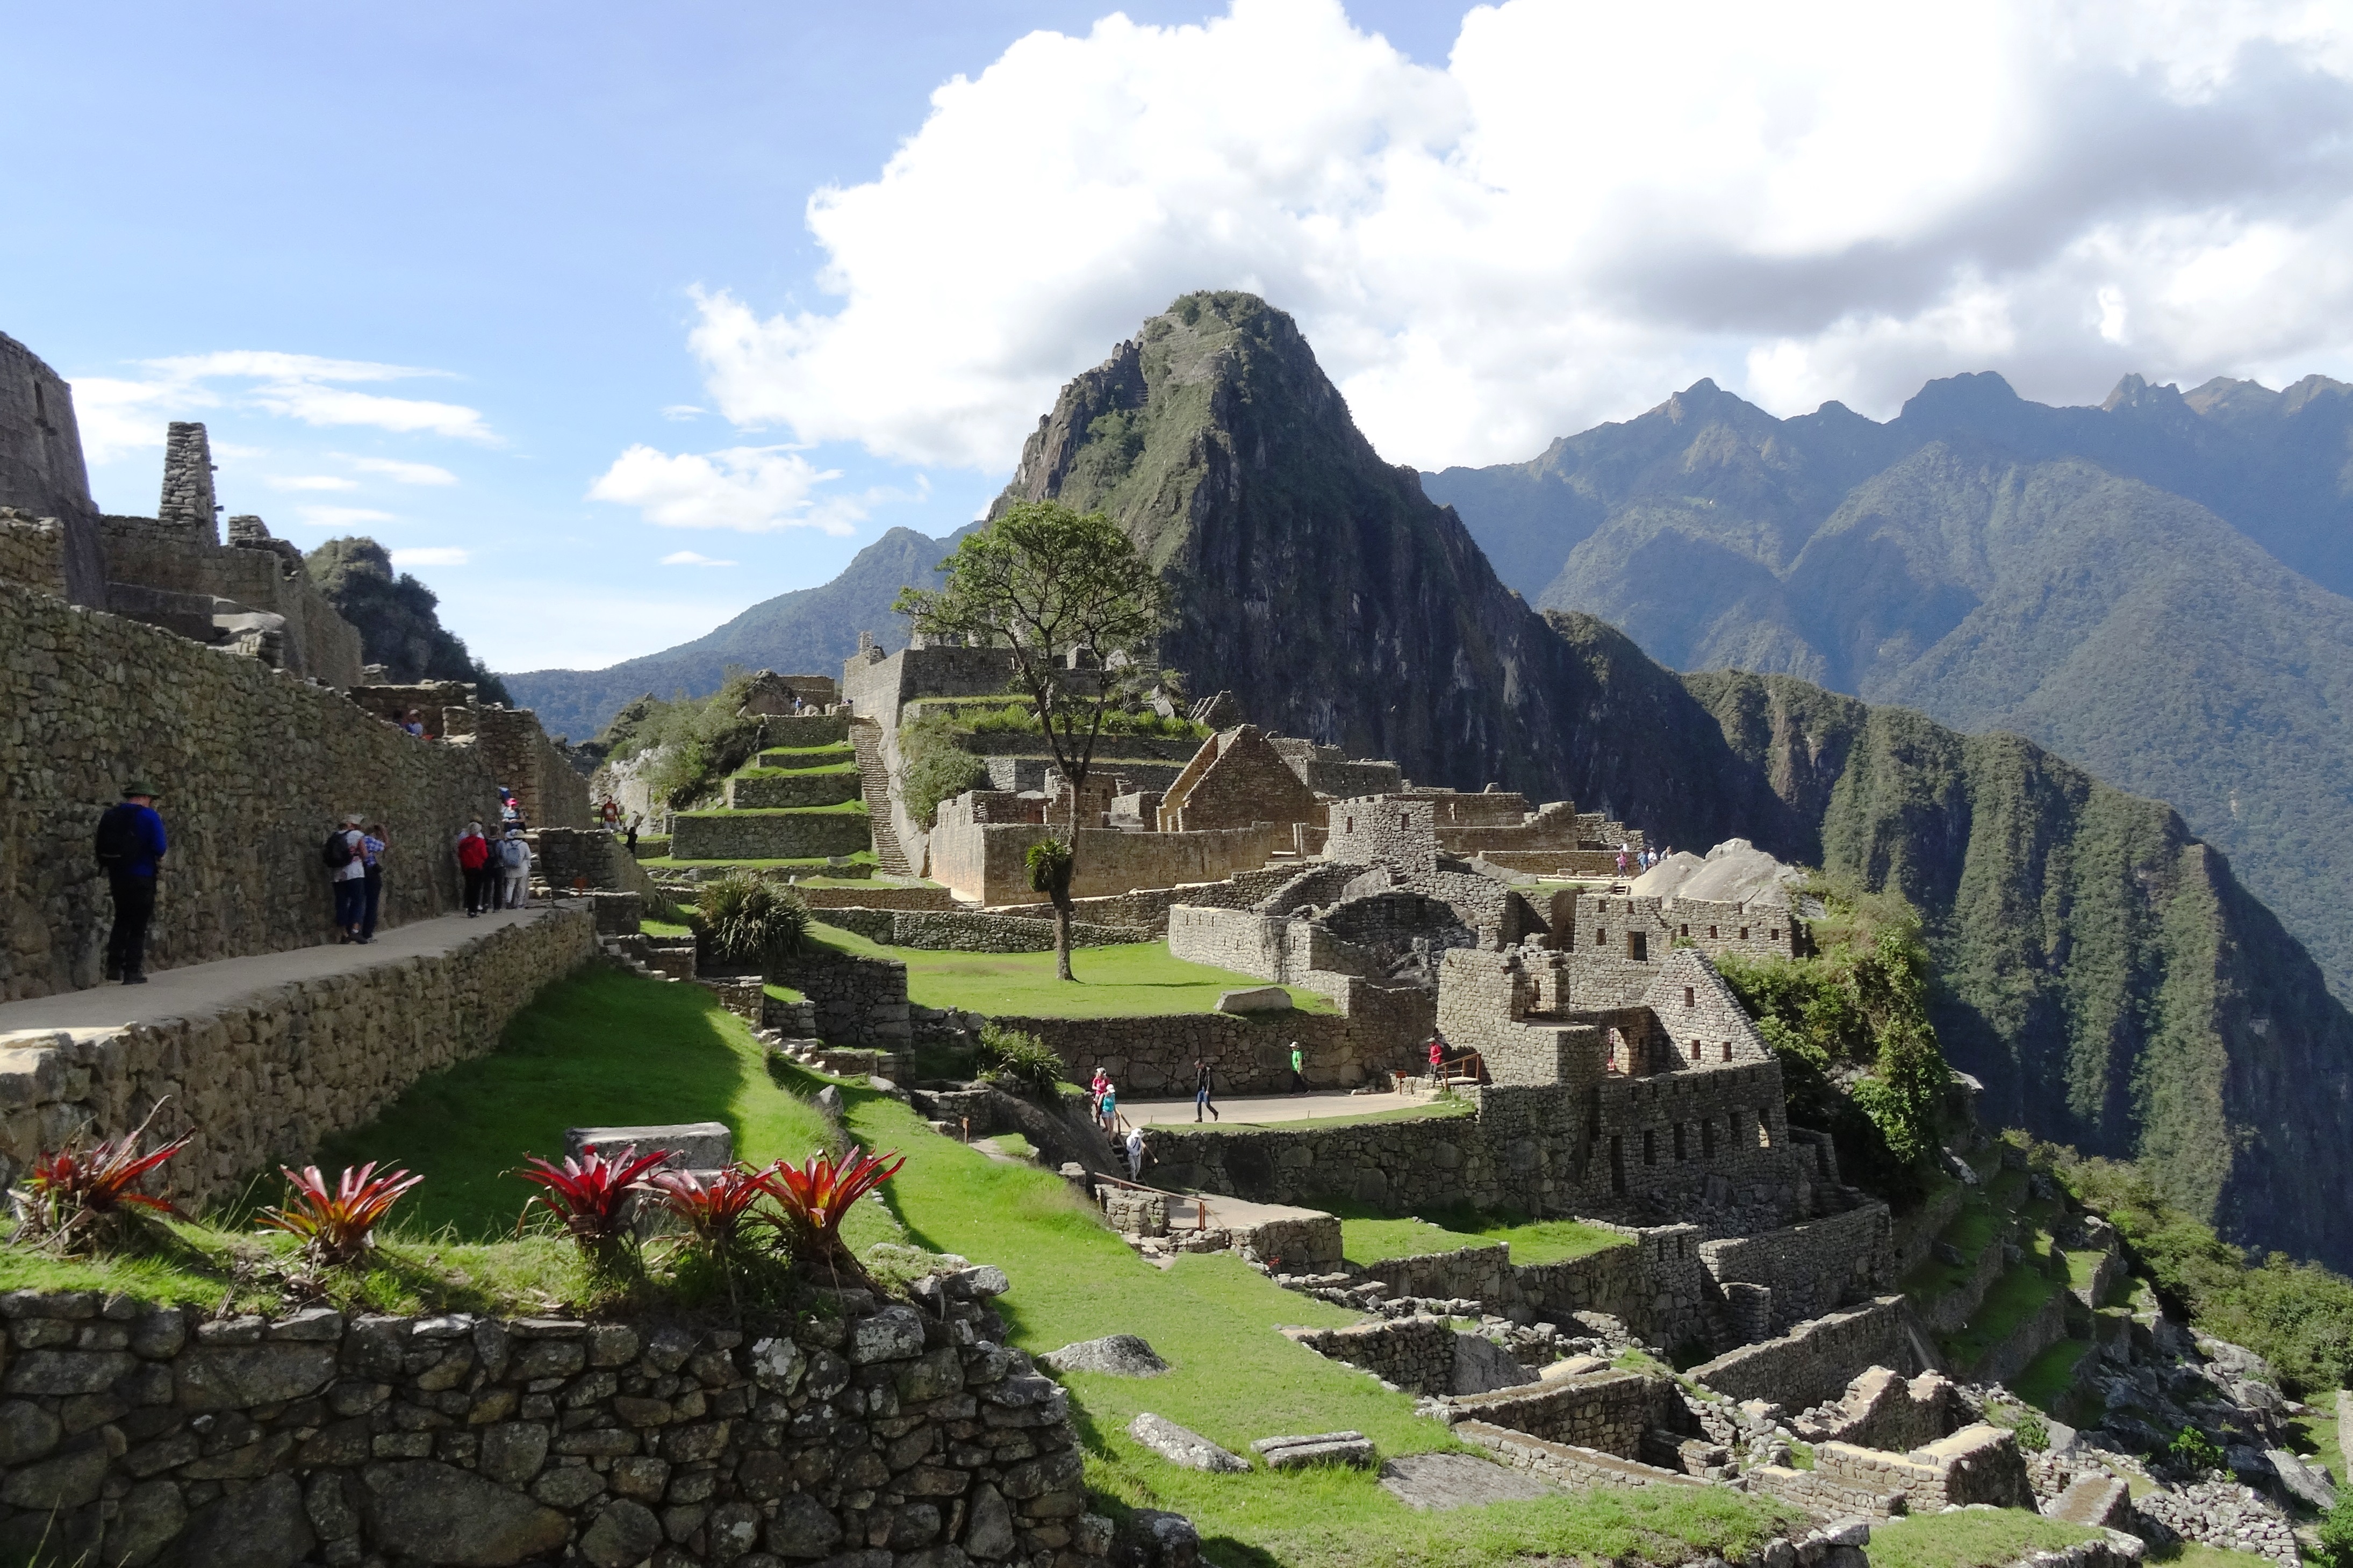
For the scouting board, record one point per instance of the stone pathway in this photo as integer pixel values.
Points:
(203, 987)
(1269, 1108)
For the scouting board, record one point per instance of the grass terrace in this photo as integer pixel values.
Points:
(610, 1047)
(1435, 1110)
(1970, 1539)
(1367, 1238)
(842, 808)
(814, 865)
(1130, 980)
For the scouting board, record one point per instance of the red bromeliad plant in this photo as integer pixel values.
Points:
(714, 1213)
(817, 1194)
(337, 1224)
(74, 1192)
(589, 1198)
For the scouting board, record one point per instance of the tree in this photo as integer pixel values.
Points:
(397, 616)
(1068, 594)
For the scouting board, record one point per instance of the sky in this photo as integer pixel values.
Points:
(612, 320)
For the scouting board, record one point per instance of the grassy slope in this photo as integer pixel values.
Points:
(1130, 980)
(1967, 1540)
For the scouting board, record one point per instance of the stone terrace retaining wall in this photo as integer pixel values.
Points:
(860, 1002)
(254, 765)
(1810, 1267)
(897, 1438)
(880, 896)
(1813, 1363)
(263, 1078)
(1155, 1053)
(2046, 1327)
(1606, 1411)
(1417, 1354)
(1613, 1280)
(1150, 906)
(32, 550)
(1949, 1312)
(1569, 1464)
(768, 835)
(964, 931)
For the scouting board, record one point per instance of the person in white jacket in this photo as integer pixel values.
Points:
(514, 870)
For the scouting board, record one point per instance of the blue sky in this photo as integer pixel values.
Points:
(639, 328)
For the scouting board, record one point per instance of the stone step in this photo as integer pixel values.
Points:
(874, 782)
(2092, 1500)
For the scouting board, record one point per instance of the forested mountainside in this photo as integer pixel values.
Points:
(2108, 582)
(2109, 980)
(806, 632)
(398, 617)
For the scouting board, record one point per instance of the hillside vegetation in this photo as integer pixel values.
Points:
(398, 617)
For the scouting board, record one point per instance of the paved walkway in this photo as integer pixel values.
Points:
(203, 987)
(1272, 1108)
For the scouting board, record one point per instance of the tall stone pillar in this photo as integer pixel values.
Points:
(188, 480)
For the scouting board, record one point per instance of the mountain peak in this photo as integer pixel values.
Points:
(1971, 396)
(2135, 392)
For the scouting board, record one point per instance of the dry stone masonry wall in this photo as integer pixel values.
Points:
(895, 1437)
(264, 1077)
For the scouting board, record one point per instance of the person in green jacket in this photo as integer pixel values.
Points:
(1298, 1061)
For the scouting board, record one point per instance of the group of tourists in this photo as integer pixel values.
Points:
(354, 854)
(610, 815)
(495, 867)
(1638, 861)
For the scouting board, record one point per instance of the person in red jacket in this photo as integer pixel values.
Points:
(473, 860)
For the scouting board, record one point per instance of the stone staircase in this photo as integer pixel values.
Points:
(874, 784)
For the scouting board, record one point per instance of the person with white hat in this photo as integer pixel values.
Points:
(345, 854)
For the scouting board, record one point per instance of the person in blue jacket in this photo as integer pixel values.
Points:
(131, 847)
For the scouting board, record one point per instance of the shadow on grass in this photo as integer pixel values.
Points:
(598, 1049)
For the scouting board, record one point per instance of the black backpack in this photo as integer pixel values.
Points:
(337, 850)
(116, 841)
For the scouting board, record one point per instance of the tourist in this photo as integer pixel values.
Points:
(611, 812)
(510, 808)
(515, 871)
(1136, 1153)
(1437, 1062)
(1095, 1094)
(1201, 1092)
(373, 846)
(415, 723)
(473, 861)
(1107, 1107)
(1298, 1062)
(636, 818)
(346, 858)
(130, 849)
(1622, 859)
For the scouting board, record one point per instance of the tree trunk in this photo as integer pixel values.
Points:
(1060, 894)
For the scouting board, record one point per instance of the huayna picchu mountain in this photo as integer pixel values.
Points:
(2110, 980)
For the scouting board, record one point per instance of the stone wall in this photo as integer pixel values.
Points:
(860, 1002)
(1399, 830)
(1626, 1282)
(1950, 1311)
(985, 861)
(1235, 780)
(168, 569)
(1604, 933)
(1976, 1464)
(880, 896)
(768, 835)
(1149, 907)
(1570, 1465)
(1250, 1055)
(902, 1438)
(93, 700)
(964, 930)
(1271, 947)
(1416, 1354)
(1604, 1411)
(41, 471)
(562, 856)
(768, 788)
(2011, 1355)
(1814, 1363)
(549, 789)
(1810, 1267)
(32, 551)
(262, 1079)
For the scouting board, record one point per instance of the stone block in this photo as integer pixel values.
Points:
(1255, 999)
(691, 1145)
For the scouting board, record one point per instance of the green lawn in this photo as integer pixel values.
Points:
(2318, 1433)
(2051, 1376)
(1968, 1539)
(664, 928)
(1970, 1233)
(1130, 980)
(2014, 1298)
(844, 808)
(1235, 1379)
(1367, 1238)
(1367, 1241)
(810, 863)
(782, 993)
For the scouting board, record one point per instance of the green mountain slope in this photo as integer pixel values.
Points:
(1971, 560)
(2110, 980)
(806, 632)
(398, 617)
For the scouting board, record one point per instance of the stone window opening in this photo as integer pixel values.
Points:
(1772, 933)
(1680, 1156)
(1707, 1139)
(1691, 998)
(1764, 1130)
(1649, 1146)
(1711, 933)
(1727, 1051)
(1601, 937)
(1637, 946)
(1743, 933)
(1684, 930)
(1348, 824)
(1695, 1050)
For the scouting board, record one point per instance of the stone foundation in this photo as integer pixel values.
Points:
(903, 1438)
(1814, 1363)
(263, 1080)
(972, 931)
(1604, 1411)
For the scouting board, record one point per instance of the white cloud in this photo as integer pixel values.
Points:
(119, 417)
(1589, 205)
(683, 411)
(309, 482)
(691, 558)
(437, 555)
(401, 473)
(341, 515)
(754, 490)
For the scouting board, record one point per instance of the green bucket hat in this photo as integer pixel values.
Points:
(141, 786)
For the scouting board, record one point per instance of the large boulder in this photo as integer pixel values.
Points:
(1180, 1446)
(1117, 1355)
(446, 1515)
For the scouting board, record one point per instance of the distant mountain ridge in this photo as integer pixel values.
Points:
(808, 631)
(2114, 582)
